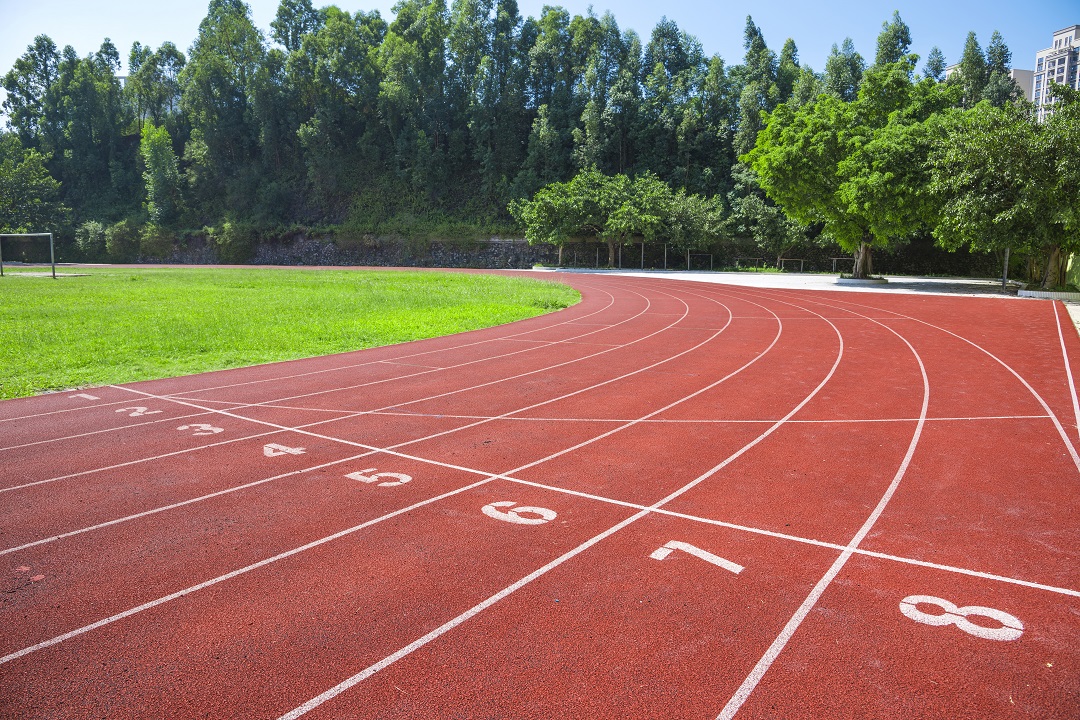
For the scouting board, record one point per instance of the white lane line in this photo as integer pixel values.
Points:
(104, 430)
(773, 652)
(480, 607)
(1050, 413)
(488, 478)
(228, 576)
(182, 503)
(176, 400)
(798, 538)
(1068, 367)
(514, 336)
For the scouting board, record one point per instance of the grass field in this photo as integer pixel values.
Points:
(119, 325)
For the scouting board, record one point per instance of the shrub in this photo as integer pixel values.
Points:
(90, 239)
(122, 241)
(156, 242)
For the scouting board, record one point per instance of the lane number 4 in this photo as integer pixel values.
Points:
(275, 450)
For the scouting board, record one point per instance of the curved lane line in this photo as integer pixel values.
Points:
(1068, 369)
(758, 672)
(480, 607)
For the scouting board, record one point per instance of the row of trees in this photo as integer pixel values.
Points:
(352, 123)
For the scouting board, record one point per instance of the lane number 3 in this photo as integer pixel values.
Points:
(1011, 627)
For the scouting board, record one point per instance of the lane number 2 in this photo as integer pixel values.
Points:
(523, 515)
(138, 411)
(275, 450)
(1011, 627)
(662, 552)
(202, 429)
(370, 476)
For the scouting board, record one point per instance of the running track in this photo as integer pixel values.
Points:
(673, 500)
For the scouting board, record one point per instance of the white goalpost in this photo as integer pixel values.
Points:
(52, 253)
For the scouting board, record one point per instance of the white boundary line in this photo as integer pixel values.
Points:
(476, 609)
(489, 477)
(1068, 367)
(780, 642)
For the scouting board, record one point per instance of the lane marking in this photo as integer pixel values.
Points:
(476, 609)
(276, 450)
(228, 576)
(84, 396)
(773, 652)
(104, 430)
(370, 476)
(1049, 412)
(1011, 627)
(1068, 368)
(671, 546)
(523, 515)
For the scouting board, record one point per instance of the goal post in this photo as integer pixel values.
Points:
(52, 251)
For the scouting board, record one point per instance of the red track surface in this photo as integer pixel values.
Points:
(847, 452)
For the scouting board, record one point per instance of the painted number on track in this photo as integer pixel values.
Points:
(1011, 627)
(662, 552)
(202, 429)
(519, 515)
(370, 476)
(138, 411)
(275, 450)
(84, 396)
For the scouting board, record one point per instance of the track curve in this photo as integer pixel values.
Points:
(674, 499)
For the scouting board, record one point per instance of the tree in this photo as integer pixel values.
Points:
(29, 196)
(972, 74)
(856, 167)
(614, 209)
(935, 65)
(162, 176)
(1006, 181)
(843, 71)
(893, 41)
(1000, 87)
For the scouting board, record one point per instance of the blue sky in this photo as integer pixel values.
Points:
(719, 25)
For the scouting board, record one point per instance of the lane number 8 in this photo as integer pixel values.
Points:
(1011, 627)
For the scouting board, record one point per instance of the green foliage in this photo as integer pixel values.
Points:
(616, 210)
(1007, 181)
(162, 175)
(90, 239)
(156, 242)
(235, 241)
(122, 241)
(29, 196)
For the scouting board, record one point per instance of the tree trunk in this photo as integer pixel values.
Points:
(611, 253)
(560, 254)
(864, 266)
(1055, 269)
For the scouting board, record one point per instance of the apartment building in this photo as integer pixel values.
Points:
(1057, 63)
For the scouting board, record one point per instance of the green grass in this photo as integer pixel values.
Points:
(119, 325)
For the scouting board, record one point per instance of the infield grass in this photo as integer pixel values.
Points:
(119, 325)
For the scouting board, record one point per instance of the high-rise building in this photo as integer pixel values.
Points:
(1056, 64)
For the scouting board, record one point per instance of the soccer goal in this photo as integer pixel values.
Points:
(52, 251)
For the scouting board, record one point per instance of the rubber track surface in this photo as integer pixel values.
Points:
(672, 500)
